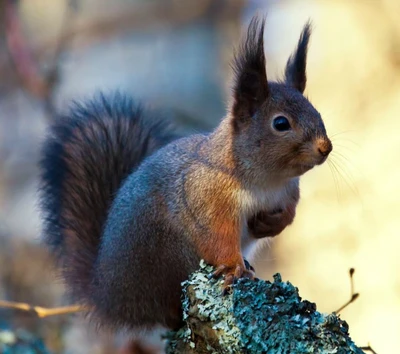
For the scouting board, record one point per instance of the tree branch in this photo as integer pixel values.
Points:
(257, 317)
(40, 312)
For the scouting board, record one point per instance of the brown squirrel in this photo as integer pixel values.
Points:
(130, 208)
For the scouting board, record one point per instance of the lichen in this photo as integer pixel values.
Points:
(256, 317)
(20, 342)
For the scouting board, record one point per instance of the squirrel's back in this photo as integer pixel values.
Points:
(87, 155)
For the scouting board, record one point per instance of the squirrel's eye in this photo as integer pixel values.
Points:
(281, 124)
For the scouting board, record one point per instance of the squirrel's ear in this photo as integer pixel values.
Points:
(295, 72)
(250, 88)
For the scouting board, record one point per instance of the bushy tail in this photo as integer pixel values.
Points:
(85, 158)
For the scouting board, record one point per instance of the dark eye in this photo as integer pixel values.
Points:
(281, 124)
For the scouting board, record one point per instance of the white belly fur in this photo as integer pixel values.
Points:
(254, 200)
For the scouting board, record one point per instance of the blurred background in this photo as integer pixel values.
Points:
(175, 55)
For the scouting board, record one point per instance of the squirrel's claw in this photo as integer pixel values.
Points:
(232, 273)
(248, 265)
(219, 271)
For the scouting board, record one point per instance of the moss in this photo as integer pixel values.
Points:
(256, 317)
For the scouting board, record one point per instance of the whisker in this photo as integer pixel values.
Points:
(345, 161)
(341, 156)
(336, 145)
(345, 140)
(347, 178)
(335, 180)
(342, 132)
(339, 175)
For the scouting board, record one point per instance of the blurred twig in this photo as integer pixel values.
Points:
(40, 312)
(139, 17)
(40, 85)
(19, 52)
(52, 76)
(353, 296)
(368, 348)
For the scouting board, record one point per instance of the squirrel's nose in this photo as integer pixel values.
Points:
(324, 146)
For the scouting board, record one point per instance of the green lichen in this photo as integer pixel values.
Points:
(20, 342)
(257, 317)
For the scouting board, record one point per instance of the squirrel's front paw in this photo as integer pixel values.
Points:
(232, 273)
(270, 224)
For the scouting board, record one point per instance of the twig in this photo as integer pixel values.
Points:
(20, 54)
(353, 296)
(53, 73)
(368, 348)
(40, 85)
(41, 312)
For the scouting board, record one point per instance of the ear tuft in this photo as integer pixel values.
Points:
(250, 87)
(295, 72)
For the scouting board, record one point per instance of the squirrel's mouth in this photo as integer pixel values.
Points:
(308, 163)
(304, 167)
(323, 159)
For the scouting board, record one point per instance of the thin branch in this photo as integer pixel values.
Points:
(131, 18)
(353, 296)
(41, 312)
(20, 54)
(84, 33)
(369, 348)
(53, 74)
(40, 85)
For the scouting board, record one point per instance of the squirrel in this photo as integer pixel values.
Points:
(130, 208)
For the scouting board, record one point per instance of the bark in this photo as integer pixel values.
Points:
(256, 317)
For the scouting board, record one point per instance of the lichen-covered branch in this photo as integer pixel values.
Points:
(257, 317)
